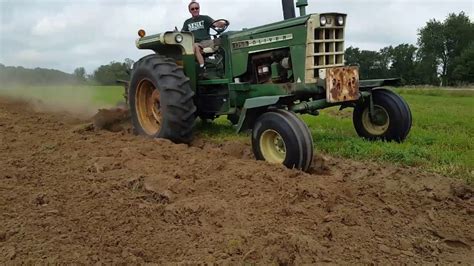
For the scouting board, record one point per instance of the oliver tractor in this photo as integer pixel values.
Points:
(261, 78)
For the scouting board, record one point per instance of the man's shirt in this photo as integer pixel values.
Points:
(199, 26)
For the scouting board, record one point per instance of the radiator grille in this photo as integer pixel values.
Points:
(325, 49)
(328, 47)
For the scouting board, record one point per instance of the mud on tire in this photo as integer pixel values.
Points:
(394, 117)
(279, 136)
(161, 100)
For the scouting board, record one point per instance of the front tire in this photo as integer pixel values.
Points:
(161, 100)
(280, 137)
(391, 120)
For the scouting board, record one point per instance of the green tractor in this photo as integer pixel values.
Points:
(261, 78)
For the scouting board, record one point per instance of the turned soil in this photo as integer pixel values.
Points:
(73, 193)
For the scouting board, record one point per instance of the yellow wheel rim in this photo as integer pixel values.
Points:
(380, 124)
(272, 146)
(147, 104)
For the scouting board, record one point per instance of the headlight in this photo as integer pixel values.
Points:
(340, 20)
(322, 20)
(178, 38)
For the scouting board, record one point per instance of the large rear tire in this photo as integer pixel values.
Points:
(280, 137)
(391, 120)
(161, 100)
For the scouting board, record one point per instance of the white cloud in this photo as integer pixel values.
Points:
(67, 34)
(48, 26)
(73, 19)
(30, 56)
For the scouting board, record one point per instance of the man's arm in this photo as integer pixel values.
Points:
(219, 24)
(208, 22)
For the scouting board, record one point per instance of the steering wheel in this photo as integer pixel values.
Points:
(220, 25)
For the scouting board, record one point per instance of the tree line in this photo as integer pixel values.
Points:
(32, 77)
(444, 56)
(106, 74)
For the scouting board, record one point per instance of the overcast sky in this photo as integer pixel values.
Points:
(65, 34)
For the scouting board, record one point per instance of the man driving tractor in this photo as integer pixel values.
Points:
(261, 78)
(199, 25)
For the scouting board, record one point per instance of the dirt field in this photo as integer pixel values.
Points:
(71, 194)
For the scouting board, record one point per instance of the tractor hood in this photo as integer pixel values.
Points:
(270, 27)
(169, 40)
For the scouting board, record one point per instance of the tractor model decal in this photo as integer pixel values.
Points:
(261, 41)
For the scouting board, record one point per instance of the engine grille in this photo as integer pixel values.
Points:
(325, 47)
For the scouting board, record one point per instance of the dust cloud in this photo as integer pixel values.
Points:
(77, 101)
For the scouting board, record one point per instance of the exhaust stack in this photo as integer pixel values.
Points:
(301, 4)
(288, 9)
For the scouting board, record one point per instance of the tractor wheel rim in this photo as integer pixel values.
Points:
(147, 104)
(379, 124)
(272, 146)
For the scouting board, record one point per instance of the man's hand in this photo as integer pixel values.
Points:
(219, 24)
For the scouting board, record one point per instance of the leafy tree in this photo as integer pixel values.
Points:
(441, 42)
(432, 52)
(464, 66)
(385, 59)
(371, 64)
(80, 74)
(426, 71)
(129, 63)
(352, 56)
(109, 74)
(402, 62)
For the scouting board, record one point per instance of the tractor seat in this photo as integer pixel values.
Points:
(210, 50)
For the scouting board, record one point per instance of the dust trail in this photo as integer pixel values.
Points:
(79, 101)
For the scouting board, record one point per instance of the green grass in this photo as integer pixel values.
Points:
(441, 139)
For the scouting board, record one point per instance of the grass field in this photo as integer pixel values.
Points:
(441, 139)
